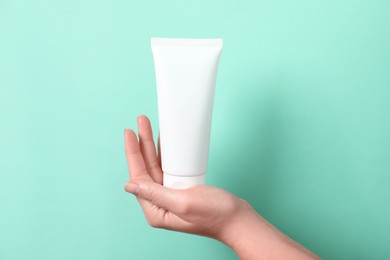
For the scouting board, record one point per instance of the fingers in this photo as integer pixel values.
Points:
(160, 205)
(148, 149)
(135, 161)
(169, 199)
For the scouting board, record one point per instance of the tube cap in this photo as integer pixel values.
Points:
(182, 182)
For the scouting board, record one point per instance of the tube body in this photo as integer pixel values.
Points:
(186, 71)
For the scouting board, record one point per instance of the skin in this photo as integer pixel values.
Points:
(201, 210)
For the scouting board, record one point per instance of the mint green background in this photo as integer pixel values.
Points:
(301, 123)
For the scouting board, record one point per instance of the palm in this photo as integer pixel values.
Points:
(199, 214)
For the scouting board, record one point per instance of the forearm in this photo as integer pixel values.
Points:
(252, 237)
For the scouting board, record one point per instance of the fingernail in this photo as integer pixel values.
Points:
(126, 130)
(132, 188)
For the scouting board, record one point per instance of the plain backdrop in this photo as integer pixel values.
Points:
(301, 123)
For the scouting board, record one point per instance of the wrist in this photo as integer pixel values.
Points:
(239, 232)
(252, 237)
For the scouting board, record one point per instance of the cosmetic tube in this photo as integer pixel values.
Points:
(186, 71)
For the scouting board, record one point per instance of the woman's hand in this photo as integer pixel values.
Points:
(202, 210)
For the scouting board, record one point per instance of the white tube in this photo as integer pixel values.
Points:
(186, 71)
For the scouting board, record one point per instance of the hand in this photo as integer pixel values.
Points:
(202, 210)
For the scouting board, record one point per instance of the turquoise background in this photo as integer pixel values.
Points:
(301, 123)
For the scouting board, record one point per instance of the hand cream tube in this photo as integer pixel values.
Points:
(186, 71)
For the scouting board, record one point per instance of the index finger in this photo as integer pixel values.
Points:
(135, 161)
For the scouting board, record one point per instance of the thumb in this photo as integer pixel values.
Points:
(163, 197)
